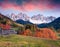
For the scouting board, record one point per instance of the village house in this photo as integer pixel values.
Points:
(6, 30)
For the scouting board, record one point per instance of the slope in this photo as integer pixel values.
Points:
(55, 24)
(27, 41)
(5, 20)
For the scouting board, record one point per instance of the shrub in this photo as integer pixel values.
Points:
(27, 32)
(45, 33)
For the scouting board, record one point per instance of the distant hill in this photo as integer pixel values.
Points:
(42, 25)
(55, 24)
(23, 22)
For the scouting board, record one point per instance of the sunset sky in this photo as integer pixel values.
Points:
(31, 7)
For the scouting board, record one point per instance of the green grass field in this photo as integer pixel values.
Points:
(27, 41)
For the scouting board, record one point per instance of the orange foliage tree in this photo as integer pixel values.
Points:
(45, 33)
(27, 32)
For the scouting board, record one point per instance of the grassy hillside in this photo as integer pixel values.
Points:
(6, 20)
(27, 41)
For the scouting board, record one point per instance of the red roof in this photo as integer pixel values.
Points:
(5, 26)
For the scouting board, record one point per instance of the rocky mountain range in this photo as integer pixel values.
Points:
(19, 16)
(55, 22)
(36, 19)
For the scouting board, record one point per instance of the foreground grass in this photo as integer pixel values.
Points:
(26, 41)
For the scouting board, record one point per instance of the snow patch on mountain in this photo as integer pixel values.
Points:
(36, 19)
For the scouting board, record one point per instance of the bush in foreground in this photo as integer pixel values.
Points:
(45, 33)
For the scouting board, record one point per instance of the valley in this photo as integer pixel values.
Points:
(28, 34)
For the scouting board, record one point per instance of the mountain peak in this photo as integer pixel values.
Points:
(36, 19)
(19, 16)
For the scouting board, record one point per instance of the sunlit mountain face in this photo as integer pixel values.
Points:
(31, 7)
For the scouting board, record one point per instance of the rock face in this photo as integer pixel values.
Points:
(39, 19)
(45, 33)
(35, 19)
(19, 16)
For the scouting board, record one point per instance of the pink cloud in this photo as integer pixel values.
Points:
(27, 6)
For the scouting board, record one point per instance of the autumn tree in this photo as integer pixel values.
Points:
(45, 33)
(20, 30)
(27, 32)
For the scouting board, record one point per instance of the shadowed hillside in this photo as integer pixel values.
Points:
(7, 21)
(54, 24)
